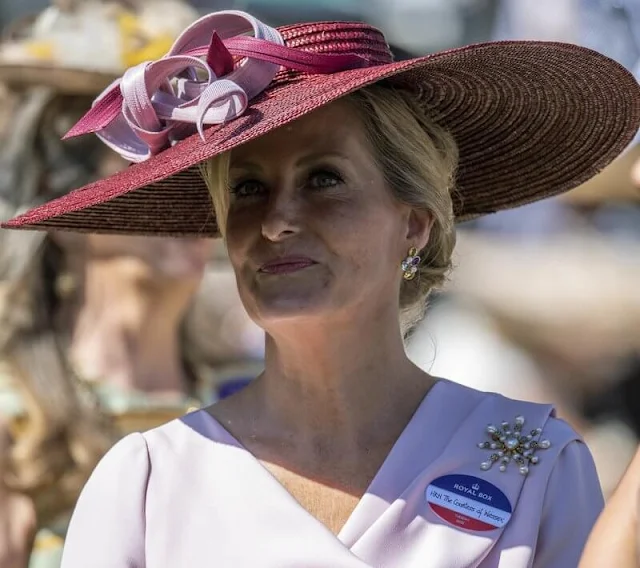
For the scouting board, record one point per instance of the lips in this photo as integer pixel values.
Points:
(286, 265)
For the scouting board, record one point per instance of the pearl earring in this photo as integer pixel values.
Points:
(410, 264)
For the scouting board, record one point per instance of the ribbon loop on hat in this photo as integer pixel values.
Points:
(197, 83)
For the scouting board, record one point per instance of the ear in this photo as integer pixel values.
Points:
(419, 225)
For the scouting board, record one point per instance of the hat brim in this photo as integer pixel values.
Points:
(63, 80)
(531, 119)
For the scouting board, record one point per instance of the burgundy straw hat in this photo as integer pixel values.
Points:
(531, 119)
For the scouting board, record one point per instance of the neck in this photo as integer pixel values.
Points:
(325, 378)
(126, 329)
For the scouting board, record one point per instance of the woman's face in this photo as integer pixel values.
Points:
(313, 230)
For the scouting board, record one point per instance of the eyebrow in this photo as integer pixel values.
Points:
(303, 161)
(319, 156)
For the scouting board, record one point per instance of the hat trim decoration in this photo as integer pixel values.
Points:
(154, 103)
(531, 119)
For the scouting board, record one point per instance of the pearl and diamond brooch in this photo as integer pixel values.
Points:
(509, 444)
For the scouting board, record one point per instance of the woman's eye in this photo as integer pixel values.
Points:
(324, 178)
(247, 188)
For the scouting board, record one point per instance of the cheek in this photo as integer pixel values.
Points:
(239, 234)
(232, 251)
(370, 237)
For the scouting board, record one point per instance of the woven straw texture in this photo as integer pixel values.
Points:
(531, 120)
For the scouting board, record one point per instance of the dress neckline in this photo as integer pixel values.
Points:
(353, 526)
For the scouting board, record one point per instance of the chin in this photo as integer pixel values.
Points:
(284, 303)
(287, 308)
(270, 300)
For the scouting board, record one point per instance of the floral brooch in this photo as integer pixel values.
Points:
(510, 444)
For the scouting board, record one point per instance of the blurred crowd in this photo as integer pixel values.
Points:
(100, 335)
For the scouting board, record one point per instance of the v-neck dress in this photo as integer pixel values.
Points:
(187, 494)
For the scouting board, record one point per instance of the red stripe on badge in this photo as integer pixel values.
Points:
(460, 520)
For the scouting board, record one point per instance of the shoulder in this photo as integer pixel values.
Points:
(108, 524)
(460, 391)
(152, 455)
(495, 408)
(566, 460)
(138, 453)
(127, 460)
(565, 467)
(181, 434)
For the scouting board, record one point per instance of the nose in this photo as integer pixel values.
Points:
(283, 216)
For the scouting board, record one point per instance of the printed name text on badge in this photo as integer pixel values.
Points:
(468, 502)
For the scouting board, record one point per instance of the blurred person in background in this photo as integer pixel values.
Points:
(220, 335)
(92, 338)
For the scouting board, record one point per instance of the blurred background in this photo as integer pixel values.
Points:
(543, 304)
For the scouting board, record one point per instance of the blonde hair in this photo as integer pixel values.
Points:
(418, 159)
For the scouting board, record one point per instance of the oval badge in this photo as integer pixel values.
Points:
(468, 502)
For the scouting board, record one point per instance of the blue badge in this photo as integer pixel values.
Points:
(468, 502)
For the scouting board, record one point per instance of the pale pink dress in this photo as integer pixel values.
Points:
(187, 494)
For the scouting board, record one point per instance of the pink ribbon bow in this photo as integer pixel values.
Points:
(197, 83)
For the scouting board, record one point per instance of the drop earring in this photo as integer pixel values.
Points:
(410, 264)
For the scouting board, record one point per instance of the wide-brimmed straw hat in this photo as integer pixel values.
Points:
(82, 46)
(531, 119)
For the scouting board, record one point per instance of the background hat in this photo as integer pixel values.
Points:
(81, 46)
(531, 120)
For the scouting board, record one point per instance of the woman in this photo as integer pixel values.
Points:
(91, 341)
(331, 170)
